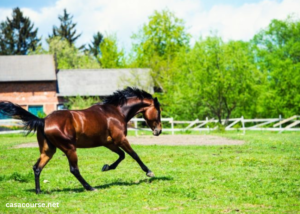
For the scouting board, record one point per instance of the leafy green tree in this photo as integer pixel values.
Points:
(278, 57)
(66, 30)
(110, 56)
(214, 79)
(68, 56)
(157, 44)
(17, 35)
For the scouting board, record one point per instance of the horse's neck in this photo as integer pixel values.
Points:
(131, 109)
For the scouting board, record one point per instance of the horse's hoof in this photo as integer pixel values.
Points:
(105, 168)
(150, 174)
(91, 189)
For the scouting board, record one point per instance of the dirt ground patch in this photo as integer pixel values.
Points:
(171, 140)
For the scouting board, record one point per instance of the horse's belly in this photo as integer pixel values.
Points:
(87, 142)
(88, 146)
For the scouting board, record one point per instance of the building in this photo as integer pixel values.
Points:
(34, 83)
(29, 81)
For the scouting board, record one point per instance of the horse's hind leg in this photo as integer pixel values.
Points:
(73, 160)
(47, 151)
(117, 150)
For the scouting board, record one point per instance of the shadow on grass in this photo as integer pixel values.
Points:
(121, 183)
(106, 186)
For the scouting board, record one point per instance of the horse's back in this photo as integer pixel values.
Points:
(83, 128)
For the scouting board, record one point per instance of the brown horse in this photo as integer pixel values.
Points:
(103, 124)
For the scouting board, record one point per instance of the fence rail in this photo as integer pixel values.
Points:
(10, 123)
(257, 124)
(279, 124)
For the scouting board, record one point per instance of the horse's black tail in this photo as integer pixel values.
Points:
(30, 121)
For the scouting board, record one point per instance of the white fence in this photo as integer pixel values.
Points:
(272, 124)
(269, 124)
(11, 123)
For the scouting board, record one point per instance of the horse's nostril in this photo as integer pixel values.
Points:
(157, 132)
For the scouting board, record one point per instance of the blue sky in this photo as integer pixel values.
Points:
(36, 4)
(232, 19)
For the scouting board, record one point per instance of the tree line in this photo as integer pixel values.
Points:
(212, 77)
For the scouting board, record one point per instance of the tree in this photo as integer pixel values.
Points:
(94, 47)
(68, 56)
(17, 35)
(156, 45)
(278, 57)
(214, 79)
(66, 30)
(110, 56)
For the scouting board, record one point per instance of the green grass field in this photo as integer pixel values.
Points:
(261, 176)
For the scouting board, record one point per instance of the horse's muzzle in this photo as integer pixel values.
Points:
(156, 132)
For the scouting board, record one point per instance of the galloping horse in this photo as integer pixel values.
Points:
(103, 124)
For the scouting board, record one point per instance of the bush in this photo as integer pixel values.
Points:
(80, 102)
(41, 114)
(220, 127)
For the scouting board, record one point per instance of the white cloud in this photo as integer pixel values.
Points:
(124, 17)
(244, 21)
(4, 12)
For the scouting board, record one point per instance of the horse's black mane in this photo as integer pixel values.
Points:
(120, 97)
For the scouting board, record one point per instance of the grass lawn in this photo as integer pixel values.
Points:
(261, 176)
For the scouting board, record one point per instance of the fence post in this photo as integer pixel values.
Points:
(135, 126)
(280, 126)
(172, 126)
(243, 123)
(207, 123)
(280, 123)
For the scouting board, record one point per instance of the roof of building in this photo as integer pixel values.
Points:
(101, 82)
(22, 68)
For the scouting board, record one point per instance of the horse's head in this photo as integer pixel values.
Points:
(152, 116)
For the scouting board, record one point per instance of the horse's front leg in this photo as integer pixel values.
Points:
(127, 148)
(117, 150)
